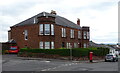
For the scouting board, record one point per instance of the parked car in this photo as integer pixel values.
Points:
(111, 57)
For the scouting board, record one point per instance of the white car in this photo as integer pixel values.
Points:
(111, 57)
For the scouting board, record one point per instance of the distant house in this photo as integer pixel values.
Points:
(49, 31)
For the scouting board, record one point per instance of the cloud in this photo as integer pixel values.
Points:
(100, 15)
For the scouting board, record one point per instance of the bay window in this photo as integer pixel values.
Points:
(47, 45)
(41, 29)
(46, 29)
(52, 45)
(85, 35)
(52, 29)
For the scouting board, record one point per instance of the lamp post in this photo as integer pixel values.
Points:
(70, 52)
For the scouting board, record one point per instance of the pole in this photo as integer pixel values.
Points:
(71, 54)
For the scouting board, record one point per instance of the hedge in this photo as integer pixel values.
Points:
(76, 52)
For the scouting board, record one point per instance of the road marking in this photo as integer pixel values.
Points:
(60, 66)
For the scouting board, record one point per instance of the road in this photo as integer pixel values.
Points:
(14, 63)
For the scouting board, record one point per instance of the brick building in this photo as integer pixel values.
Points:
(49, 31)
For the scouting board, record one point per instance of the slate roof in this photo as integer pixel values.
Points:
(58, 20)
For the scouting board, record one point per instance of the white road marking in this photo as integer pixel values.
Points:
(60, 66)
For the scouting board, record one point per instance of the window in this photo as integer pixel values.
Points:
(79, 35)
(47, 29)
(52, 29)
(41, 29)
(26, 34)
(52, 45)
(63, 32)
(41, 45)
(68, 45)
(88, 35)
(85, 45)
(75, 45)
(63, 44)
(85, 34)
(47, 45)
(72, 33)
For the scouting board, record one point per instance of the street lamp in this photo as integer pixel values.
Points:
(70, 52)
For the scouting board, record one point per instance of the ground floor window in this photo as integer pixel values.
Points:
(75, 45)
(41, 45)
(68, 45)
(46, 45)
(85, 45)
(52, 45)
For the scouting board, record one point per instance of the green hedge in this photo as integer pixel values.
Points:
(76, 52)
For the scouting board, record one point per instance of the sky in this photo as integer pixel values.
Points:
(100, 15)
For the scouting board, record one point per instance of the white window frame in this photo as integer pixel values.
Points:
(52, 29)
(47, 45)
(85, 35)
(41, 29)
(26, 34)
(47, 29)
(52, 45)
(71, 33)
(41, 45)
(63, 32)
(75, 45)
(88, 35)
(79, 34)
(85, 45)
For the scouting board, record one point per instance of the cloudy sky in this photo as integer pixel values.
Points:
(100, 15)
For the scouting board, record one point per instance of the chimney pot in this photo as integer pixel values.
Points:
(78, 21)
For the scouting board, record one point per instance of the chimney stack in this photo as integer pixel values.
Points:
(53, 12)
(78, 21)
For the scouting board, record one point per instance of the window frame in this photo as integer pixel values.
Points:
(42, 45)
(26, 34)
(43, 29)
(48, 45)
(63, 32)
(71, 33)
(47, 29)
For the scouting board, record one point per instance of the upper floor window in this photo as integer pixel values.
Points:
(46, 29)
(79, 35)
(41, 29)
(88, 35)
(71, 33)
(63, 32)
(52, 29)
(85, 35)
(26, 34)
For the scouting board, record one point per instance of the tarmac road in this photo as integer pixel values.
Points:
(14, 63)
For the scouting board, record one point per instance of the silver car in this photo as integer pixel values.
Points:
(111, 57)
